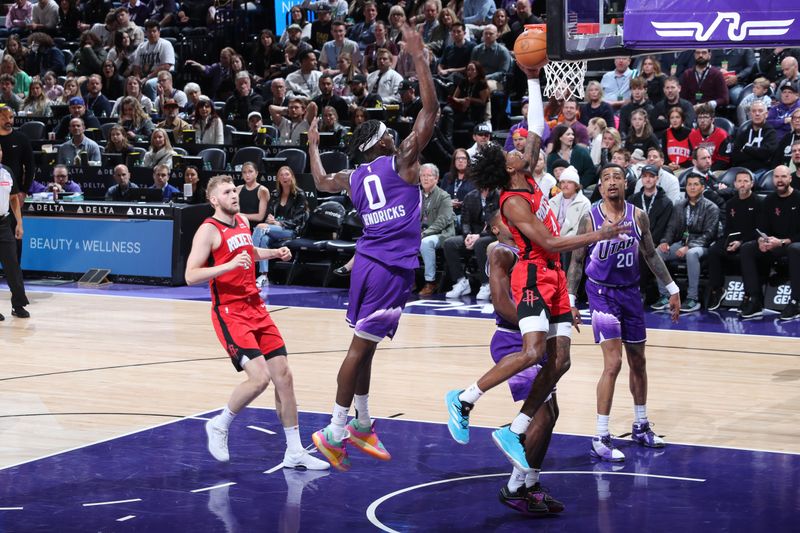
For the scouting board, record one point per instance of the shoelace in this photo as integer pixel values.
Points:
(464, 413)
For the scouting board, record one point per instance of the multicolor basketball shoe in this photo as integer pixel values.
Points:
(334, 451)
(365, 439)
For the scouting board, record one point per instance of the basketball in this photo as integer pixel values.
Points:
(530, 48)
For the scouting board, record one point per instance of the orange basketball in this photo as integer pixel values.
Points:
(530, 48)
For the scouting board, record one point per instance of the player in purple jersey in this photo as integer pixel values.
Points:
(612, 271)
(522, 492)
(385, 192)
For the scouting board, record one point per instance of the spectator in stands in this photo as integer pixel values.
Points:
(468, 103)
(569, 115)
(493, 57)
(151, 57)
(794, 166)
(172, 121)
(120, 53)
(163, 11)
(779, 115)
(564, 147)
(675, 141)
(136, 122)
(328, 98)
(36, 104)
(546, 181)
(44, 55)
(653, 78)
(138, 11)
(755, 143)
(437, 223)
(7, 95)
(704, 83)
(440, 36)
(191, 176)
(617, 83)
(129, 27)
(523, 15)
(44, 17)
(117, 142)
(277, 95)
(341, 81)
(266, 56)
(244, 101)
(475, 237)
(217, 73)
(15, 49)
(207, 125)
(569, 206)
(330, 122)
(666, 180)
(691, 230)
(708, 136)
(105, 31)
(122, 190)
(69, 91)
(612, 141)
(322, 26)
(780, 223)
(775, 63)
(742, 215)
(596, 129)
(160, 152)
(385, 81)
(19, 13)
(305, 82)
(672, 98)
(640, 134)
(381, 42)
(22, 80)
(783, 153)
(761, 88)
(112, 84)
(70, 151)
(653, 200)
(133, 88)
(638, 101)
(481, 134)
(624, 159)
(333, 50)
(61, 181)
(96, 102)
(52, 89)
(430, 14)
(161, 181)
(500, 20)
(595, 106)
(360, 97)
(193, 95)
(358, 116)
(397, 18)
(789, 69)
(69, 20)
(338, 7)
(254, 122)
(456, 183)
(736, 65)
(293, 120)
(293, 36)
(455, 57)
(478, 12)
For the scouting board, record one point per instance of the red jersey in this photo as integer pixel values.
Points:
(528, 251)
(239, 283)
(715, 142)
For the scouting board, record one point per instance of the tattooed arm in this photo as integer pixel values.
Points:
(655, 263)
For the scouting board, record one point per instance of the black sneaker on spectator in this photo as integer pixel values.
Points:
(752, 308)
(716, 298)
(791, 311)
(661, 304)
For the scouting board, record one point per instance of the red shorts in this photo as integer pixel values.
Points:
(246, 331)
(540, 289)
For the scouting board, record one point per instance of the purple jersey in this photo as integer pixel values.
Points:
(390, 209)
(614, 262)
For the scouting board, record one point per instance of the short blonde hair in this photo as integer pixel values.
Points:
(762, 82)
(215, 182)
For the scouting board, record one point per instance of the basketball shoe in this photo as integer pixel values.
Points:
(217, 441)
(333, 450)
(642, 434)
(519, 500)
(604, 449)
(458, 423)
(539, 494)
(303, 461)
(513, 446)
(365, 439)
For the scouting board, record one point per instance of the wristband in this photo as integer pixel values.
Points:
(535, 108)
(572, 300)
(673, 288)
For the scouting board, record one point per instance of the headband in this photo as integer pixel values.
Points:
(372, 141)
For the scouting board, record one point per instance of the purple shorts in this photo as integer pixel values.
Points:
(617, 313)
(505, 342)
(378, 294)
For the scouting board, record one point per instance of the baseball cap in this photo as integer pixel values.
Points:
(76, 100)
(359, 78)
(294, 27)
(170, 102)
(520, 132)
(570, 174)
(323, 7)
(788, 84)
(560, 163)
(254, 114)
(650, 169)
(405, 85)
(482, 129)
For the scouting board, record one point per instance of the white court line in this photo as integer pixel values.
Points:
(11, 508)
(274, 468)
(95, 504)
(221, 485)
(372, 517)
(125, 518)
(197, 418)
(262, 430)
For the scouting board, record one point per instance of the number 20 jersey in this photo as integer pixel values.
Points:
(390, 210)
(614, 262)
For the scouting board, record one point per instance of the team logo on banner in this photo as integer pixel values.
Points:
(737, 29)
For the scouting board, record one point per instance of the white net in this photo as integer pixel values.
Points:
(565, 79)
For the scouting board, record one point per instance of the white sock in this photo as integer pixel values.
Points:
(293, 445)
(602, 425)
(471, 394)
(362, 409)
(225, 418)
(516, 480)
(640, 413)
(339, 420)
(532, 477)
(521, 423)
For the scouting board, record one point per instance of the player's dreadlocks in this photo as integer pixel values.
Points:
(362, 134)
(488, 168)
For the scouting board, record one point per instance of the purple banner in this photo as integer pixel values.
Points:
(687, 24)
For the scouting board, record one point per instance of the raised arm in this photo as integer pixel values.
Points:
(656, 265)
(324, 182)
(535, 116)
(412, 146)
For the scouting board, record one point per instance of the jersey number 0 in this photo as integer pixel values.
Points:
(375, 197)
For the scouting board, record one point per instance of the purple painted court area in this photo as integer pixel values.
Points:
(431, 484)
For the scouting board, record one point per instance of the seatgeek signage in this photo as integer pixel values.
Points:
(129, 247)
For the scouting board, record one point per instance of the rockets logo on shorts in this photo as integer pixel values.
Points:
(528, 296)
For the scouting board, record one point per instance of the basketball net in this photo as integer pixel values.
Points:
(565, 79)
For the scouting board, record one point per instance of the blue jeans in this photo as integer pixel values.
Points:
(428, 251)
(269, 237)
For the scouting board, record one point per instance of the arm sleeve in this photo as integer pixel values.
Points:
(535, 108)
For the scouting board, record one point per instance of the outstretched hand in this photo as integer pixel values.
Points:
(313, 132)
(610, 230)
(413, 40)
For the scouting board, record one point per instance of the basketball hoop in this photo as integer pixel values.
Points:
(564, 79)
